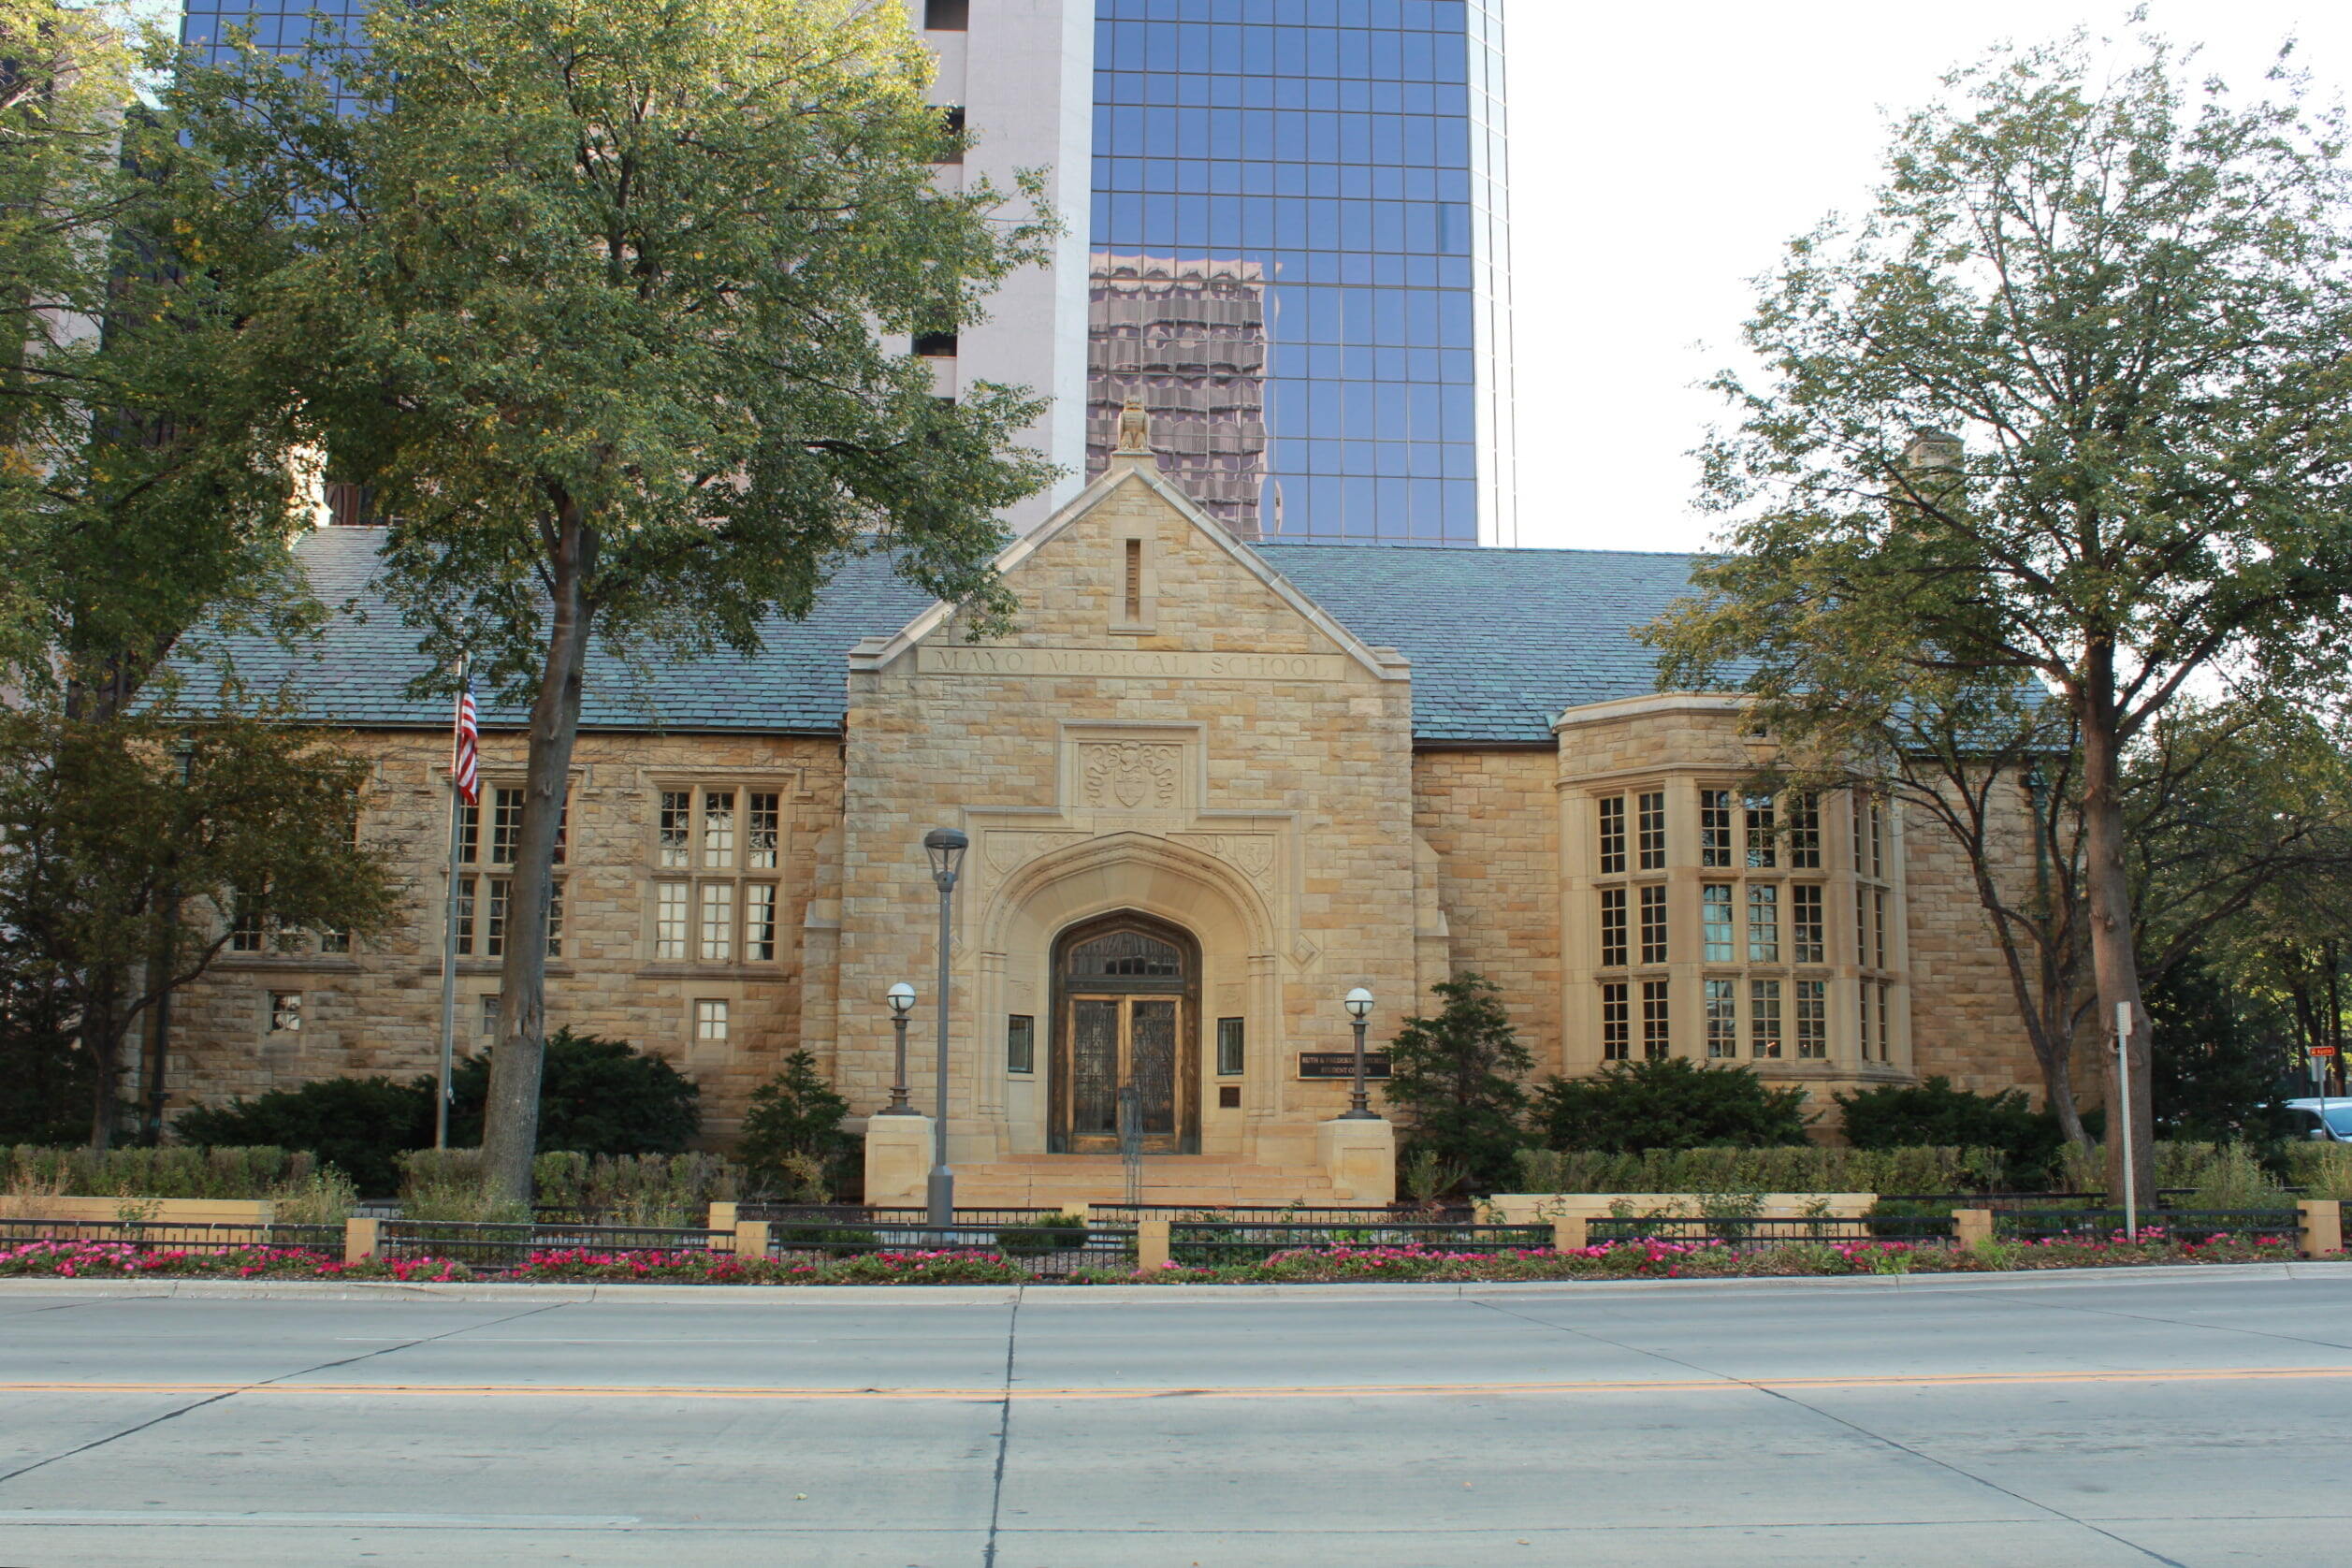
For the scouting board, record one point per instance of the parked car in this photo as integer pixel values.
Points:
(2323, 1121)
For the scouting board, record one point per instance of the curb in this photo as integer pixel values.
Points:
(1007, 1295)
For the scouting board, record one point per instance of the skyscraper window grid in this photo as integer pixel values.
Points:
(1351, 151)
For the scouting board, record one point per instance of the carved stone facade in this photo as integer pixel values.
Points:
(1178, 737)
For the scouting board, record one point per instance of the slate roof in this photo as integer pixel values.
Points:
(1500, 642)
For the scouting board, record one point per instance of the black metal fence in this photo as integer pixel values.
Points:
(2199, 1226)
(488, 1245)
(1026, 1236)
(870, 1214)
(1211, 1244)
(1287, 1214)
(174, 1235)
(1752, 1232)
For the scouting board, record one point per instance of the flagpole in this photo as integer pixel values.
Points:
(449, 932)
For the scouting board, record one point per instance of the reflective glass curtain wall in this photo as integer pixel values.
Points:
(1348, 155)
(205, 25)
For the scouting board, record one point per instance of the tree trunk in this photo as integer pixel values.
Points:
(2114, 960)
(510, 1125)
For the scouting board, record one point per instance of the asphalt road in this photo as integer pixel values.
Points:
(2187, 1421)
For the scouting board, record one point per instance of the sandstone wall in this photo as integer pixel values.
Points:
(1492, 818)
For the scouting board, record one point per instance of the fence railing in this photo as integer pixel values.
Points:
(1746, 1231)
(180, 1236)
(2179, 1225)
(1042, 1248)
(1286, 1214)
(493, 1245)
(1213, 1243)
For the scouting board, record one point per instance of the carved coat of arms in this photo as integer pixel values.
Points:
(1132, 775)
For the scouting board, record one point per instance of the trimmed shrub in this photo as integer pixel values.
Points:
(359, 1125)
(1671, 1103)
(166, 1173)
(1806, 1169)
(596, 1096)
(446, 1185)
(2321, 1170)
(1935, 1113)
(1050, 1233)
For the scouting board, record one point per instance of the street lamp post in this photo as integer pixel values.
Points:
(1360, 1005)
(902, 1002)
(946, 847)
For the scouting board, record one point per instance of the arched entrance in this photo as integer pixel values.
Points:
(1126, 1018)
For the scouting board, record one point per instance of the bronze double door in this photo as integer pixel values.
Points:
(1126, 1039)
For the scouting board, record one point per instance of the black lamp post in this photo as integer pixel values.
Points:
(1360, 1005)
(946, 847)
(902, 1002)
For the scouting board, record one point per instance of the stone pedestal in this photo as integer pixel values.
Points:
(897, 1160)
(1359, 1159)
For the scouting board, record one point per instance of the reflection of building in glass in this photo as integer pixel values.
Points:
(1189, 337)
(1355, 152)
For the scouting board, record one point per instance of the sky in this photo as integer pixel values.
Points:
(1662, 156)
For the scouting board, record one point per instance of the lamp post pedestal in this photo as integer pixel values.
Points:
(1358, 1156)
(897, 1156)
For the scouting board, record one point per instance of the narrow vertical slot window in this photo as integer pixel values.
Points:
(1657, 1034)
(1715, 923)
(1021, 1043)
(669, 920)
(1653, 925)
(1715, 828)
(1230, 1047)
(1612, 835)
(1653, 830)
(1764, 1018)
(1134, 583)
(1804, 831)
(1763, 922)
(1617, 1022)
(766, 827)
(759, 921)
(1763, 844)
(1722, 1020)
(1809, 940)
(1612, 926)
(1812, 1021)
(677, 811)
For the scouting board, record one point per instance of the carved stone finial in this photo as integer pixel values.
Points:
(1135, 428)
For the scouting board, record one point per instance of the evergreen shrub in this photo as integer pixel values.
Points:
(359, 1125)
(1669, 1103)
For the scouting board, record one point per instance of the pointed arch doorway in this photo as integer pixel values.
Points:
(1126, 1017)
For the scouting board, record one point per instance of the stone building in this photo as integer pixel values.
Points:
(1210, 788)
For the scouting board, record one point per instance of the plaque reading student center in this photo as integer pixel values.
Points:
(1211, 787)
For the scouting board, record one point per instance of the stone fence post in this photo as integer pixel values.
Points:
(1151, 1244)
(751, 1240)
(2321, 1227)
(1971, 1228)
(361, 1237)
(1571, 1233)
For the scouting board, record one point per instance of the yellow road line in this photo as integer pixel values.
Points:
(1323, 1391)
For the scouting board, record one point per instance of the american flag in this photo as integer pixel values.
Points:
(465, 759)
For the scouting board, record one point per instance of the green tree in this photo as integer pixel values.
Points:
(2069, 408)
(1458, 1080)
(137, 853)
(596, 293)
(152, 476)
(1670, 1102)
(795, 1113)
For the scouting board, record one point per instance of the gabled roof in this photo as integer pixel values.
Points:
(1501, 641)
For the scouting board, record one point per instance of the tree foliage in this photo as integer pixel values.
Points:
(596, 1097)
(1458, 1081)
(1671, 1102)
(359, 1125)
(596, 294)
(2070, 411)
(795, 1113)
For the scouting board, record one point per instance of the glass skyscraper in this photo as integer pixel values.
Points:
(1286, 232)
(1336, 169)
